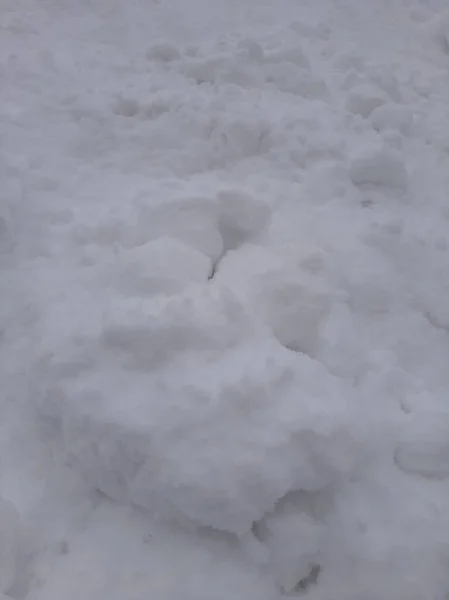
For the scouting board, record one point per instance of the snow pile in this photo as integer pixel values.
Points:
(180, 405)
(224, 308)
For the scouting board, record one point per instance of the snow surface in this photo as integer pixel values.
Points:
(224, 309)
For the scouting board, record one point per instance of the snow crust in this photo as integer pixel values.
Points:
(224, 307)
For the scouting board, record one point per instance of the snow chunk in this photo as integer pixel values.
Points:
(164, 51)
(392, 116)
(193, 221)
(347, 61)
(363, 100)
(382, 166)
(230, 68)
(424, 446)
(253, 49)
(202, 319)
(10, 531)
(289, 296)
(126, 107)
(340, 346)
(235, 137)
(419, 13)
(308, 86)
(241, 217)
(195, 413)
(294, 541)
(164, 265)
(294, 55)
(295, 308)
(385, 78)
(393, 139)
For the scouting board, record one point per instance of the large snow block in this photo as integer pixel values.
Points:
(194, 412)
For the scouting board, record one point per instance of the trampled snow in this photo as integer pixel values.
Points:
(224, 310)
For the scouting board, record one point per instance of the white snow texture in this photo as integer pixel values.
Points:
(224, 306)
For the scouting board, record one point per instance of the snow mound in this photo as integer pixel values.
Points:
(193, 411)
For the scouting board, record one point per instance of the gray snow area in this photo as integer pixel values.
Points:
(224, 299)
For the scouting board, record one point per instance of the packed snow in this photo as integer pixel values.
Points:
(224, 310)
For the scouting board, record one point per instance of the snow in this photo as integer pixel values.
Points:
(224, 300)
(363, 100)
(145, 409)
(379, 166)
(242, 217)
(424, 446)
(10, 542)
(287, 292)
(394, 117)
